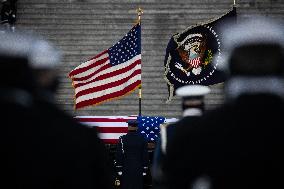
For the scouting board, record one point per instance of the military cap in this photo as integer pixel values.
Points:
(192, 91)
(192, 98)
(132, 123)
(252, 47)
(39, 53)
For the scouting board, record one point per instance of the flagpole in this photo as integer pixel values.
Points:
(139, 13)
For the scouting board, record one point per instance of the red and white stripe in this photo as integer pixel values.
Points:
(96, 80)
(109, 128)
(195, 62)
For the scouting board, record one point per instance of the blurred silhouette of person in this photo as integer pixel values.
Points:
(132, 158)
(8, 14)
(44, 147)
(238, 145)
(193, 106)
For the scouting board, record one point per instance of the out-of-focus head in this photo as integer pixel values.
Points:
(192, 99)
(40, 55)
(253, 57)
(15, 69)
(253, 47)
(132, 125)
(45, 60)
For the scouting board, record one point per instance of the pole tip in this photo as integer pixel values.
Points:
(139, 11)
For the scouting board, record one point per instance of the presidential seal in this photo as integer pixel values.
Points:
(194, 53)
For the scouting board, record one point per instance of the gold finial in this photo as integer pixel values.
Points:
(139, 13)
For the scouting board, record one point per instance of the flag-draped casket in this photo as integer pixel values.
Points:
(110, 128)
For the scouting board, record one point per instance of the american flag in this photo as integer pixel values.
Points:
(110, 128)
(111, 74)
(195, 62)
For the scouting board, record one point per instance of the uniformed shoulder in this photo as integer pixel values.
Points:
(164, 125)
(165, 129)
(183, 127)
(141, 137)
(121, 137)
(185, 121)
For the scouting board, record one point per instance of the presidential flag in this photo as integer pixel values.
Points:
(110, 128)
(189, 54)
(113, 73)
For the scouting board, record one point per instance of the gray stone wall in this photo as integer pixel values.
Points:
(83, 28)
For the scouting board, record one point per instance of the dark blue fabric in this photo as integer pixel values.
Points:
(128, 47)
(149, 127)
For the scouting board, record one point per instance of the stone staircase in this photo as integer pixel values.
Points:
(84, 28)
